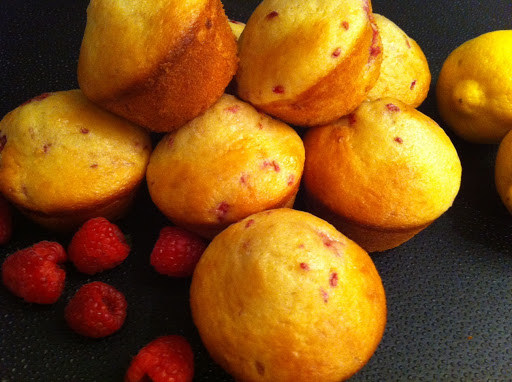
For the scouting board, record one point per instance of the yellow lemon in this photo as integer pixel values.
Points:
(503, 171)
(474, 89)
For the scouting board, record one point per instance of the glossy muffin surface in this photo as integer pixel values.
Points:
(226, 164)
(158, 63)
(384, 169)
(295, 300)
(65, 158)
(309, 62)
(404, 72)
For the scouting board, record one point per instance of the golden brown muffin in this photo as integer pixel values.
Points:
(230, 162)
(237, 27)
(404, 73)
(157, 63)
(64, 160)
(309, 63)
(294, 300)
(381, 174)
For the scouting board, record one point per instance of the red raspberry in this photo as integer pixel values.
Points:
(96, 310)
(177, 252)
(97, 246)
(5, 221)
(33, 273)
(166, 359)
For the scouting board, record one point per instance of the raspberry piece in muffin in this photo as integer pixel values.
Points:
(165, 359)
(96, 310)
(34, 273)
(97, 246)
(177, 252)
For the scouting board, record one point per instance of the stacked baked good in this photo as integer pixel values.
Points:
(309, 63)
(309, 303)
(294, 300)
(158, 64)
(229, 163)
(381, 174)
(64, 160)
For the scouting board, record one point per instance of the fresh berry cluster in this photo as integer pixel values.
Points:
(36, 275)
(97, 309)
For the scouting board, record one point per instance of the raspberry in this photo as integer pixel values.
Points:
(5, 221)
(96, 310)
(33, 273)
(177, 252)
(97, 246)
(165, 359)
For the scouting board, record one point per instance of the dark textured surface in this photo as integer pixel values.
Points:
(449, 288)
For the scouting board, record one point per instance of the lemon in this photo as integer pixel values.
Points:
(503, 171)
(474, 89)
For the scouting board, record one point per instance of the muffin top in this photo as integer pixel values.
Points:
(288, 46)
(386, 165)
(224, 165)
(124, 42)
(295, 300)
(404, 72)
(63, 152)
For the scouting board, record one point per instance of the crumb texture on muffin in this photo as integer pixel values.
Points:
(295, 300)
(226, 164)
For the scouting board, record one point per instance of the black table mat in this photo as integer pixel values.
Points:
(448, 289)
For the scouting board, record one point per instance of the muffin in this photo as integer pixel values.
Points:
(159, 64)
(309, 63)
(64, 160)
(229, 163)
(404, 72)
(295, 300)
(503, 171)
(237, 27)
(381, 174)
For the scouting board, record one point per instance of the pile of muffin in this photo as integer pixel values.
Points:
(323, 98)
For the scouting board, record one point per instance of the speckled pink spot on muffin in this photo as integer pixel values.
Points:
(37, 98)
(222, 210)
(249, 223)
(278, 89)
(304, 266)
(333, 245)
(291, 179)
(399, 140)
(392, 107)
(272, 164)
(233, 109)
(83, 130)
(413, 84)
(244, 178)
(336, 53)
(333, 279)
(3, 141)
(272, 15)
(345, 25)
(324, 294)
